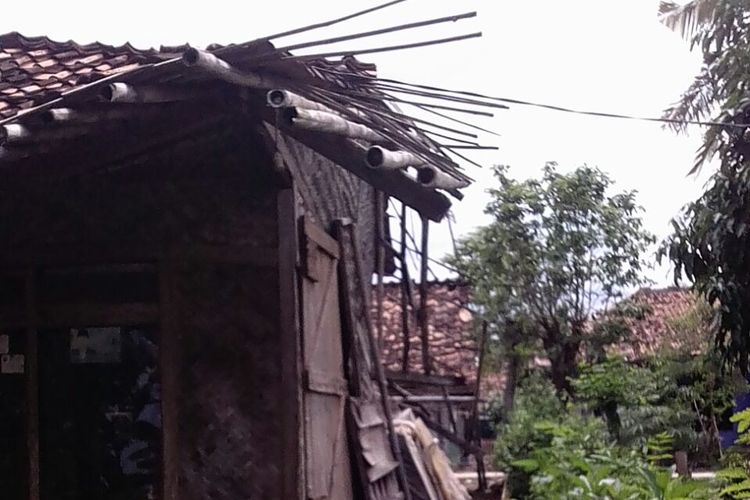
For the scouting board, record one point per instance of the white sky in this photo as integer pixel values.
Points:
(603, 55)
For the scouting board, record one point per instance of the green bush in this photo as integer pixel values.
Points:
(734, 477)
(537, 412)
(577, 463)
(555, 450)
(536, 401)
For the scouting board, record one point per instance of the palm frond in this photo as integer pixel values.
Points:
(689, 17)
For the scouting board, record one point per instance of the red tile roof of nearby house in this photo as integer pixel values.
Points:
(659, 328)
(453, 345)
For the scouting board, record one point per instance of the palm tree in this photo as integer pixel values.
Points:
(688, 17)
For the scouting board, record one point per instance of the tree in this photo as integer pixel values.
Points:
(690, 16)
(710, 242)
(557, 249)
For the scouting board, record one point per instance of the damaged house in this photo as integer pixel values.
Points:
(188, 239)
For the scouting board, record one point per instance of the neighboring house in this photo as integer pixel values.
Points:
(453, 353)
(661, 319)
(667, 320)
(453, 340)
(184, 281)
(453, 334)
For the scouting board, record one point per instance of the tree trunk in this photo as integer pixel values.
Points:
(613, 420)
(564, 361)
(511, 382)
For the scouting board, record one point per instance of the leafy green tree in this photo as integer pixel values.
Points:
(609, 385)
(556, 249)
(710, 244)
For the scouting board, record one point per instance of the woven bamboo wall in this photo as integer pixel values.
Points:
(229, 410)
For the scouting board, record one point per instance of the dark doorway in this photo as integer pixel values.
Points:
(99, 413)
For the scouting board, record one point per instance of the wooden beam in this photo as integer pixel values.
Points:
(406, 298)
(419, 378)
(32, 388)
(103, 152)
(477, 432)
(292, 442)
(380, 215)
(424, 313)
(170, 370)
(352, 157)
(98, 314)
(246, 255)
(375, 356)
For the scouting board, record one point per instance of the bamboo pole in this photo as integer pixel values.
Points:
(481, 475)
(345, 53)
(405, 291)
(331, 22)
(381, 31)
(380, 259)
(379, 371)
(423, 310)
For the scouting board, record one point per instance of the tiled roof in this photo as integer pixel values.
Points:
(52, 93)
(34, 70)
(657, 329)
(452, 336)
(453, 345)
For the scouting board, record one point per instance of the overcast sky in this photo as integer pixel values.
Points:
(601, 55)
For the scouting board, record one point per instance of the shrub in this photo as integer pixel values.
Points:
(538, 417)
(577, 463)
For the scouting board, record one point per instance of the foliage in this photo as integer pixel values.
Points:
(689, 16)
(613, 381)
(556, 249)
(575, 465)
(693, 328)
(536, 407)
(660, 448)
(734, 476)
(710, 243)
(517, 436)
(638, 402)
(557, 451)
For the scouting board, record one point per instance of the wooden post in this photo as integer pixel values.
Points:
(380, 376)
(481, 476)
(681, 463)
(169, 360)
(293, 474)
(405, 292)
(423, 312)
(449, 405)
(32, 387)
(380, 258)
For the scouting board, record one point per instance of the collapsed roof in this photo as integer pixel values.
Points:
(57, 96)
